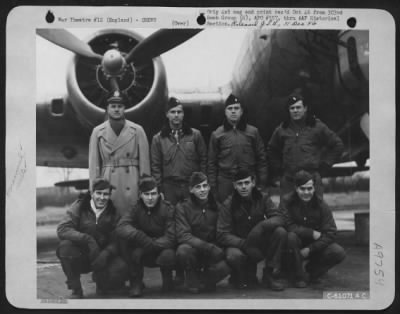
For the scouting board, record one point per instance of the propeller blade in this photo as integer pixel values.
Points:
(114, 84)
(159, 42)
(65, 39)
(364, 124)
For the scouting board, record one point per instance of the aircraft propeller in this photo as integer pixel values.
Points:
(159, 42)
(113, 62)
(65, 39)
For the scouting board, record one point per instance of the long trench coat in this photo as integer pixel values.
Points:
(120, 159)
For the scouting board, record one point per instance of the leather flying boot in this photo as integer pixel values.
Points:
(269, 280)
(101, 291)
(101, 279)
(213, 274)
(167, 282)
(300, 283)
(73, 277)
(76, 287)
(179, 279)
(251, 274)
(192, 283)
(135, 290)
(241, 280)
(77, 293)
(208, 281)
(233, 278)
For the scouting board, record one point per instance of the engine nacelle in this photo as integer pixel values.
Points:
(144, 84)
(353, 69)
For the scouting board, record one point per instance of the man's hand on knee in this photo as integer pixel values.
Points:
(94, 249)
(215, 253)
(101, 260)
(252, 251)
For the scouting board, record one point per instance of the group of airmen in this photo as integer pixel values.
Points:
(201, 214)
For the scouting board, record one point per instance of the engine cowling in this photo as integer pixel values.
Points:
(145, 84)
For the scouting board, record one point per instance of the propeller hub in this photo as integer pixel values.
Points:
(113, 63)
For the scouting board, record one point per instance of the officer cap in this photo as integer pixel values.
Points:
(232, 99)
(117, 97)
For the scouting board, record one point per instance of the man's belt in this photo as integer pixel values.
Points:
(123, 162)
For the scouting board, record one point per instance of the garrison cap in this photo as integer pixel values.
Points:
(101, 184)
(172, 102)
(302, 177)
(196, 178)
(293, 98)
(147, 183)
(242, 173)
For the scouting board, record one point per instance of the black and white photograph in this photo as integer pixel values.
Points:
(230, 165)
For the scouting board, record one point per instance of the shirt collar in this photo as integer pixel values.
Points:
(96, 211)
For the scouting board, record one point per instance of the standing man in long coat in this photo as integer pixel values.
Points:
(119, 152)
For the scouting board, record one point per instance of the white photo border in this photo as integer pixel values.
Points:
(21, 160)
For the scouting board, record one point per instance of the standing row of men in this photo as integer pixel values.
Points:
(119, 152)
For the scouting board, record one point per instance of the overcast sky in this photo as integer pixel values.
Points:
(204, 61)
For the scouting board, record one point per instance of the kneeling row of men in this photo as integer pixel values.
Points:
(208, 240)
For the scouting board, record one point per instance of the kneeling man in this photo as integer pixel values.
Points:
(196, 224)
(147, 236)
(250, 227)
(88, 242)
(312, 230)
